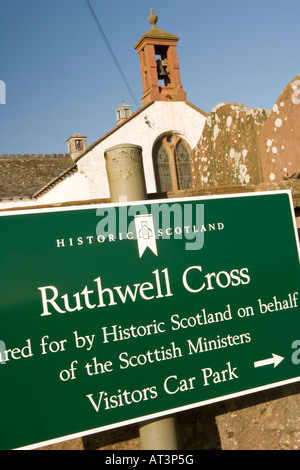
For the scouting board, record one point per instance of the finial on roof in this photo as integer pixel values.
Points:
(153, 18)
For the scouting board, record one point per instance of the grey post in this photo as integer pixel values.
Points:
(124, 165)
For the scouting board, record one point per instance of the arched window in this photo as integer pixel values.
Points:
(162, 168)
(183, 166)
(171, 159)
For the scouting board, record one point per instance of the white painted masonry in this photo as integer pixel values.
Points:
(143, 129)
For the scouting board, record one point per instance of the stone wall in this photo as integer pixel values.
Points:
(227, 152)
(249, 146)
(279, 140)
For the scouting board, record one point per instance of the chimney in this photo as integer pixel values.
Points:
(76, 145)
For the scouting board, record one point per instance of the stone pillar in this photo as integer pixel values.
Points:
(124, 165)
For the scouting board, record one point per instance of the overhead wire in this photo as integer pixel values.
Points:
(111, 51)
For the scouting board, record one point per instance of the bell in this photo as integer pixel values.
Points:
(161, 69)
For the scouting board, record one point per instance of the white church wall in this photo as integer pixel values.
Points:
(74, 187)
(144, 129)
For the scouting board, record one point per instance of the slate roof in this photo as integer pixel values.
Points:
(25, 175)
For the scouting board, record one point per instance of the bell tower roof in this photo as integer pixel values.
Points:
(155, 32)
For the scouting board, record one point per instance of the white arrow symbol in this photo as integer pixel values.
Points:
(266, 362)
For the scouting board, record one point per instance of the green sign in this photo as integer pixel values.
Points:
(116, 314)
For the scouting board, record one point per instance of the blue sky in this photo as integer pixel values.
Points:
(61, 79)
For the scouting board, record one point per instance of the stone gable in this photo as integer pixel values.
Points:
(246, 146)
(279, 141)
(227, 152)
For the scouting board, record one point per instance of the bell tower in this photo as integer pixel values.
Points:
(157, 51)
